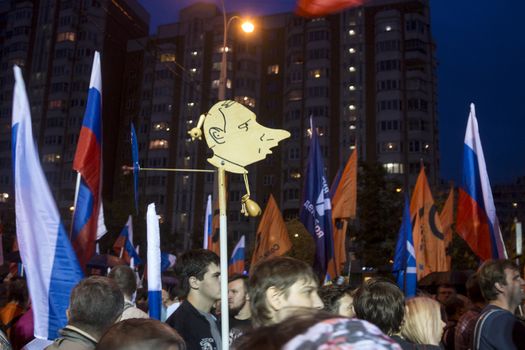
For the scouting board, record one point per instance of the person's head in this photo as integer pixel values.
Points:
(17, 291)
(337, 300)
(423, 324)
(280, 285)
(501, 280)
(445, 291)
(238, 297)
(473, 290)
(95, 304)
(315, 329)
(141, 334)
(125, 279)
(455, 307)
(199, 274)
(235, 136)
(382, 303)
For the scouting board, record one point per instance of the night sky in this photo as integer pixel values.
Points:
(481, 59)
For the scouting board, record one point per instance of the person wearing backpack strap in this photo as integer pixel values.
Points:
(497, 327)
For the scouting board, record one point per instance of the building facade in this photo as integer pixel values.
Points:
(54, 42)
(365, 77)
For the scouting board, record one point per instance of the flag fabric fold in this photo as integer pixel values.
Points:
(208, 218)
(166, 261)
(154, 263)
(404, 267)
(344, 201)
(316, 210)
(272, 236)
(136, 166)
(318, 8)
(51, 266)
(88, 163)
(447, 219)
(427, 231)
(476, 220)
(236, 264)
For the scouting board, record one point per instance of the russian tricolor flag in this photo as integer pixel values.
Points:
(88, 163)
(476, 220)
(236, 264)
(51, 266)
(124, 244)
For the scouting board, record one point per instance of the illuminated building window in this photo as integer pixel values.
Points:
(245, 100)
(351, 32)
(273, 69)
(54, 104)
(66, 36)
(393, 168)
(315, 73)
(389, 147)
(351, 50)
(161, 126)
(51, 158)
(158, 144)
(351, 69)
(167, 57)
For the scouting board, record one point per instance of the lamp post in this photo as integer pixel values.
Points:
(220, 186)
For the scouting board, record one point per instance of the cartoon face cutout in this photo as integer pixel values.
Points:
(236, 138)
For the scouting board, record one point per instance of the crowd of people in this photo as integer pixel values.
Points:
(279, 306)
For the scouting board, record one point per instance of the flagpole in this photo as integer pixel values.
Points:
(225, 327)
(77, 187)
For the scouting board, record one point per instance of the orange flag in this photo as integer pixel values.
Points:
(427, 231)
(343, 208)
(272, 236)
(317, 8)
(447, 219)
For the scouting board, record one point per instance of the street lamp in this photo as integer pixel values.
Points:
(247, 27)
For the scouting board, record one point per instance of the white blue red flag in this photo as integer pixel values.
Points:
(88, 163)
(51, 266)
(476, 220)
(404, 267)
(316, 211)
(154, 263)
(236, 264)
(208, 219)
(124, 244)
(167, 260)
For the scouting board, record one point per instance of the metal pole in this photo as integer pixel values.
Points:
(225, 327)
(224, 67)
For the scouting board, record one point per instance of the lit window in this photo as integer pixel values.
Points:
(273, 69)
(351, 107)
(193, 70)
(54, 104)
(351, 50)
(4, 197)
(352, 147)
(351, 69)
(215, 84)
(245, 100)
(158, 144)
(351, 87)
(295, 175)
(388, 28)
(194, 53)
(315, 73)
(393, 168)
(51, 158)
(351, 32)
(191, 104)
(161, 126)
(352, 127)
(66, 36)
(167, 57)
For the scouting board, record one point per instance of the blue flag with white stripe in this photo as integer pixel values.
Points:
(51, 265)
(316, 211)
(404, 267)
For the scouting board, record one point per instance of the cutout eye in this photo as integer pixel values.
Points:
(243, 126)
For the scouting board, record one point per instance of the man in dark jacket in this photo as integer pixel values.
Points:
(199, 274)
(95, 304)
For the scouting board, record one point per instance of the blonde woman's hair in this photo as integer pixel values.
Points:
(422, 324)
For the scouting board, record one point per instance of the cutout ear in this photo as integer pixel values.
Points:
(274, 297)
(217, 134)
(193, 282)
(498, 287)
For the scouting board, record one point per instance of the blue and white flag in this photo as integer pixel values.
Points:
(208, 219)
(167, 260)
(316, 211)
(51, 266)
(136, 166)
(154, 260)
(404, 267)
